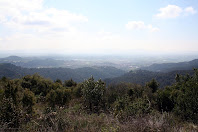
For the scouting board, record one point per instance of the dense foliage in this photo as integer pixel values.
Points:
(182, 97)
(79, 74)
(143, 76)
(93, 94)
(34, 103)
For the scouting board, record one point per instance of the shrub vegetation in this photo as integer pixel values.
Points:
(33, 103)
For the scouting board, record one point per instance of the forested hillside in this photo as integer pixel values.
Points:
(34, 103)
(168, 67)
(110, 75)
(143, 76)
(78, 75)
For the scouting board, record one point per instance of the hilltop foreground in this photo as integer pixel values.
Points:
(34, 103)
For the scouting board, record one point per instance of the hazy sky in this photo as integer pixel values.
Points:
(99, 26)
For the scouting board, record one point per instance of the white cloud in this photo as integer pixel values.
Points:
(173, 11)
(32, 26)
(32, 15)
(12, 8)
(27, 5)
(137, 25)
(189, 10)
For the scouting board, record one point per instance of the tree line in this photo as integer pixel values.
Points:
(37, 100)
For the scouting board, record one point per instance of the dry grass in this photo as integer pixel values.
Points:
(75, 119)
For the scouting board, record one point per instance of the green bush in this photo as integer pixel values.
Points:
(124, 108)
(28, 100)
(37, 84)
(93, 94)
(181, 97)
(187, 97)
(70, 83)
(153, 84)
(139, 107)
(59, 97)
(113, 92)
(58, 81)
(121, 104)
(164, 101)
(10, 113)
(77, 91)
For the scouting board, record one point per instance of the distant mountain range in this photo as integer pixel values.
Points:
(168, 67)
(110, 75)
(79, 74)
(29, 62)
(142, 76)
(72, 62)
(163, 73)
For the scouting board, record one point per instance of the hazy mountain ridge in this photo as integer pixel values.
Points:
(125, 63)
(143, 76)
(168, 67)
(110, 75)
(163, 73)
(32, 62)
(79, 74)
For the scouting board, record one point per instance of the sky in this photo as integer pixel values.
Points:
(99, 26)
